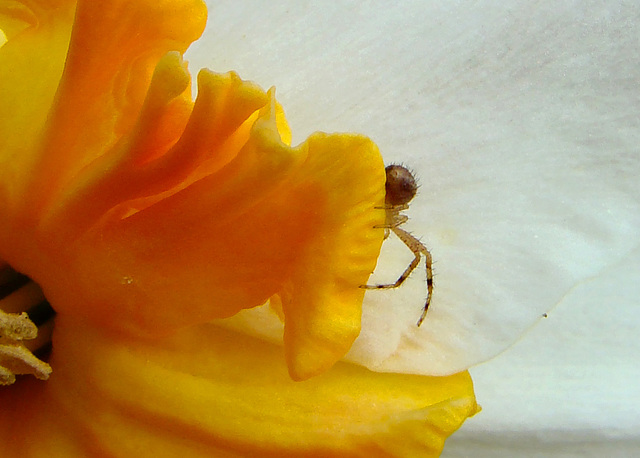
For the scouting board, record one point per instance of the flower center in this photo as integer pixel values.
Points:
(26, 324)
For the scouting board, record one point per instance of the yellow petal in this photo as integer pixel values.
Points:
(211, 392)
(322, 301)
(112, 53)
(31, 64)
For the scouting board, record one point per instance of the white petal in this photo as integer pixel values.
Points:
(570, 386)
(520, 120)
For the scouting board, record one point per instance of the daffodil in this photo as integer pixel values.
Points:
(148, 219)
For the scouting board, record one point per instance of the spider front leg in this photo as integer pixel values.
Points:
(396, 220)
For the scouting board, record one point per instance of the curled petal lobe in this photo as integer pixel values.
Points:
(234, 237)
(320, 304)
(103, 86)
(211, 239)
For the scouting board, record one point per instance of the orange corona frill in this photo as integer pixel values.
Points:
(144, 215)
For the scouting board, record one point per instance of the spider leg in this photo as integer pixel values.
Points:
(397, 208)
(392, 221)
(418, 248)
(410, 268)
(397, 221)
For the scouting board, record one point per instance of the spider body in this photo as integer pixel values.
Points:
(400, 189)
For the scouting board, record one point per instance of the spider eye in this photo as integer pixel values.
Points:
(401, 187)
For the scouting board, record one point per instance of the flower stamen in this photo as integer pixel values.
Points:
(23, 309)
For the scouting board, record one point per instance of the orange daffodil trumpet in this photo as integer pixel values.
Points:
(144, 216)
